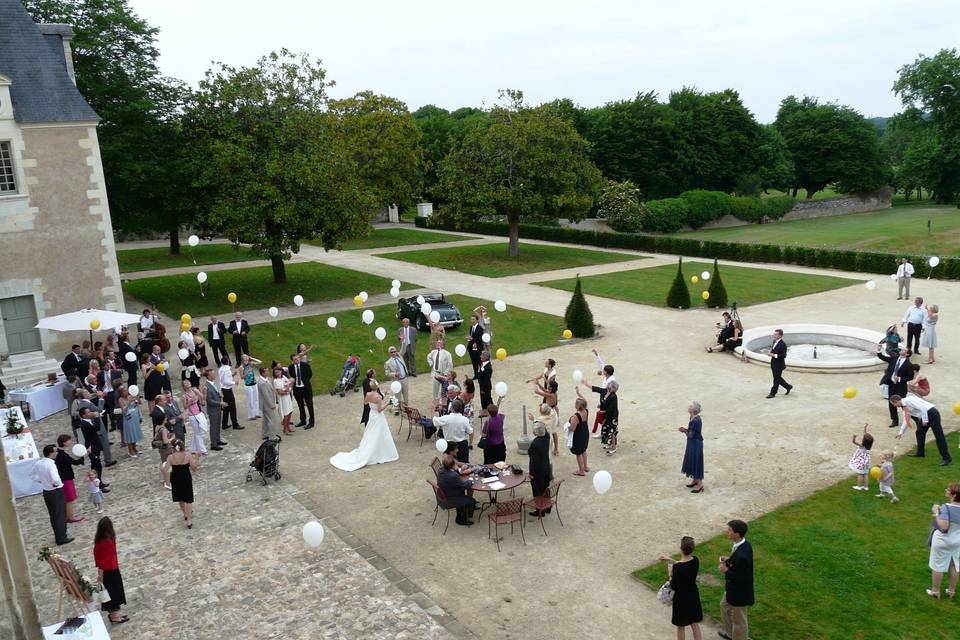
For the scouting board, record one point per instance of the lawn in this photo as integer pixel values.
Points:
(823, 194)
(398, 237)
(744, 285)
(160, 258)
(895, 230)
(516, 330)
(255, 289)
(491, 259)
(841, 564)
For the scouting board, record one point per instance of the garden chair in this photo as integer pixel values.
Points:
(506, 512)
(435, 466)
(441, 499)
(549, 500)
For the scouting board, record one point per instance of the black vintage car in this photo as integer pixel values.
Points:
(450, 316)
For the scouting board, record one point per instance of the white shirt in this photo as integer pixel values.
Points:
(45, 472)
(298, 381)
(456, 426)
(226, 377)
(896, 368)
(737, 544)
(918, 407)
(440, 360)
(214, 331)
(915, 315)
(187, 337)
(405, 335)
(905, 270)
(146, 322)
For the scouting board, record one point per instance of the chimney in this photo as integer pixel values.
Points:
(65, 32)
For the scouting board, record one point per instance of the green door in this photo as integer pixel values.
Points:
(19, 320)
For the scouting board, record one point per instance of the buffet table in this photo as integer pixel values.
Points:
(20, 455)
(92, 629)
(43, 400)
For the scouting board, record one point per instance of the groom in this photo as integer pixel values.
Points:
(778, 362)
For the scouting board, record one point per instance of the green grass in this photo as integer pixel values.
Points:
(398, 237)
(841, 564)
(823, 194)
(255, 289)
(895, 230)
(744, 285)
(491, 259)
(159, 257)
(516, 330)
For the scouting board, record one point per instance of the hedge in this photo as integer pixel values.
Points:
(845, 260)
(706, 206)
(666, 216)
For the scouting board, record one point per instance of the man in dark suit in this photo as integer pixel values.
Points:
(475, 343)
(301, 374)
(365, 415)
(130, 367)
(239, 329)
(174, 417)
(899, 372)
(455, 489)
(484, 381)
(216, 336)
(737, 571)
(778, 362)
(72, 361)
(90, 428)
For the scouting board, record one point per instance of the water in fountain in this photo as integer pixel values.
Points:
(826, 352)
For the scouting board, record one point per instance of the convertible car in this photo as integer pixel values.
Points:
(450, 316)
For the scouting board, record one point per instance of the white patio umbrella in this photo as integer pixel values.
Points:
(80, 320)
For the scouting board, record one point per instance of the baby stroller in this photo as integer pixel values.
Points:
(266, 461)
(348, 380)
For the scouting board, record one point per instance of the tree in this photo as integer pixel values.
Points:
(776, 165)
(578, 317)
(718, 292)
(679, 296)
(440, 130)
(520, 162)
(274, 166)
(830, 143)
(619, 206)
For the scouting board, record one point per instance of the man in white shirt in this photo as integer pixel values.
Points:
(904, 273)
(925, 416)
(145, 326)
(408, 346)
(456, 430)
(45, 472)
(914, 318)
(227, 383)
(441, 362)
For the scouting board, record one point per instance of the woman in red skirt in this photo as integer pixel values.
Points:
(65, 464)
(108, 570)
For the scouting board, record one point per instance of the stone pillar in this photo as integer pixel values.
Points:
(424, 209)
(14, 573)
(393, 213)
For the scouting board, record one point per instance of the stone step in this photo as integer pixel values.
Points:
(32, 372)
(30, 357)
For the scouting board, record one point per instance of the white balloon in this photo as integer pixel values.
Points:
(367, 316)
(602, 481)
(202, 277)
(394, 292)
(273, 311)
(705, 275)
(486, 338)
(133, 390)
(183, 354)
(871, 285)
(434, 316)
(577, 376)
(420, 299)
(313, 533)
(893, 276)
(298, 300)
(426, 308)
(364, 296)
(461, 350)
(396, 387)
(395, 284)
(130, 357)
(332, 322)
(78, 450)
(193, 241)
(933, 261)
(442, 445)
(500, 305)
(380, 333)
(501, 389)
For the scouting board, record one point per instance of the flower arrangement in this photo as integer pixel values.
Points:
(14, 428)
(45, 554)
(86, 583)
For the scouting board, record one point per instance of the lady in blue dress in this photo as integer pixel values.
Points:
(130, 408)
(693, 456)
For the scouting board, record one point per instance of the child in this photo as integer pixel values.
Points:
(96, 495)
(860, 462)
(892, 341)
(886, 476)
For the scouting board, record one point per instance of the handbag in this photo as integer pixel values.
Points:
(484, 442)
(102, 596)
(665, 593)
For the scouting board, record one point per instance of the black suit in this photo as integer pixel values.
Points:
(903, 373)
(240, 343)
(483, 378)
(539, 452)
(105, 381)
(475, 347)
(455, 488)
(738, 592)
(302, 389)
(130, 367)
(366, 407)
(91, 438)
(777, 365)
(218, 345)
(72, 361)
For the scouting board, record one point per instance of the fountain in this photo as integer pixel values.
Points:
(824, 348)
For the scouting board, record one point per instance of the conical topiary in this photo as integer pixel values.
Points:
(718, 293)
(578, 316)
(679, 295)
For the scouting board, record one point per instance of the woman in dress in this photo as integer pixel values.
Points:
(496, 449)
(376, 445)
(130, 410)
(200, 349)
(945, 542)
(65, 463)
(108, 570)
(368, 378)
(579, 435)
(193, 402)
(919, 386)
(248, 372)
(548, 391)
(693, 455)
(725, 331)
(284, 398)
(152, 380)
(188, 365)
(930, 331)
(166, 438)
(302, 351)
(687, 609)
(180, 464)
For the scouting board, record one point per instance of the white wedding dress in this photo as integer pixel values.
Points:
(376, 446)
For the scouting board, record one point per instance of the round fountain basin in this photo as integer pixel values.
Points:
(817, 347)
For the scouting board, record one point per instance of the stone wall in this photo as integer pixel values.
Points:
(859, 203)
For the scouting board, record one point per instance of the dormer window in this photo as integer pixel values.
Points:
(8, 184)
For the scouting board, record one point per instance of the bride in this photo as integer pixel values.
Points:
(377, 445)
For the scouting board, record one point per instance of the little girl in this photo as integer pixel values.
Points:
(96, 495)
(860, 462)
(886, 476)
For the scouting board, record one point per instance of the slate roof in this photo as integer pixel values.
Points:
(41, 90)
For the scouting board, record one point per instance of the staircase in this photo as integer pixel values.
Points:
(23, 369)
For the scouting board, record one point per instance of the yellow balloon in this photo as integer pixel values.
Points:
(694, 279)
(875, 473)
(94, 324)
(567, 334)
(705, 295)
(185, 318)
(160, 367)
(231, 297)
(850, 393)
(184, 326)
(357, 301)
(956, 408)
(501, 354)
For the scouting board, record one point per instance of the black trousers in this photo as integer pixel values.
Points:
(898, 389)
(475, 360)
(913, 336)
(778, 381)
(228, 412)
(131, 374)
(57, 508)
(240, 347)
(219, 350)
(485, 399)
(463, 451)
(933, 424)
(466, 508)
(304, 396)
(96, 465)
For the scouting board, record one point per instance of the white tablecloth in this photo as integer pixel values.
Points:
(93, 629)
(20, 455)
(43, 400)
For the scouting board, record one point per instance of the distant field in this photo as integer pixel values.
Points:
(825, 194)
(900, 229)
(159, 257)
(395, 237)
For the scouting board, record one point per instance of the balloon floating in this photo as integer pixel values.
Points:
(395, 292)
(441, 445)
(426, 308)
(694, 279)
(396, 387)
(875, 473)
(184, 327)
(130, 357)
(364, 296)
(367, 316)
(183, 354)
(705, 275)
(380, 333)
(850, 393)
(186, 318)
(202, 277)
(298, 300)
(332, 322)
(577, 376)
(160, 367)
(420, 300)
(486, 338)
(313, 533)
(134, 390)
(602, 481)
(567, 334)
(705, 295)
(870, 285)
(933, 261)
(273, 311)
(956, 408)
(231, 297)
(94, 324)
(500, 305)
(395, 284)
(501, 389)
(460, 350)
(434, 316)
(193, 241)
(893, 277)
(501, 354)
(78, 450)
(357, 301)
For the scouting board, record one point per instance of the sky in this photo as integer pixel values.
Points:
(455, 54)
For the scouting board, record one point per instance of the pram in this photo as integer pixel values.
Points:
(266, 461)
(348, 380)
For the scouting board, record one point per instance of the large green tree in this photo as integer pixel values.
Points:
(440, 131)
(274, 166)
(776, 166)
(520, 162)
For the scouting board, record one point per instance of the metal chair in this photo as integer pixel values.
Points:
(403, 414)
(441, 504)
(413, 418)
(549, 500)
(436, 465)
(506, 512)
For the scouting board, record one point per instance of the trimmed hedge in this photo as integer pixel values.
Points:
(706, 206)
(666, 216)
(858, 261)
